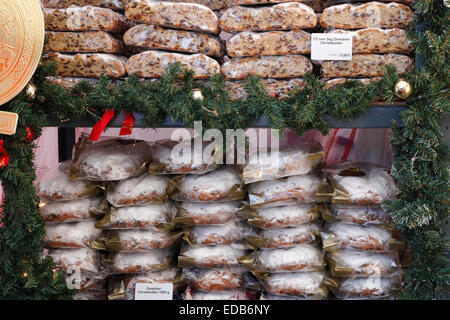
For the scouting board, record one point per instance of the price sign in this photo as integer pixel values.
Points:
(331, 46)
(153, 291)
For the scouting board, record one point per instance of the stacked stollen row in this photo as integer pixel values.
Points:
(84, 41)
(172, 32)
(208, 199)
(268, 42)
(361, 248)
(379, 39)
(69, 208)
(283, 192)
(138, 237)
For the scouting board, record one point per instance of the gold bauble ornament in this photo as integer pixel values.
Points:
(30, 90)
(197, 94)
(402, 88)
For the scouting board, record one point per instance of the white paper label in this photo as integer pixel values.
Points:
(331, 46)
(153, 291)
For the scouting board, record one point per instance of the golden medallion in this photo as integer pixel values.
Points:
(21, 42)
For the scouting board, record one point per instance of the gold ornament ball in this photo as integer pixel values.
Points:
(197, 94)
(30, 90)
(403, 88)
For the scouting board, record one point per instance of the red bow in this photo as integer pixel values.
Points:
(127, 124)
(4, 156)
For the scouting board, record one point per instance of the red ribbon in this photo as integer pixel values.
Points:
(101, 124)
(127, 124)
(28, 135)
(4, 156)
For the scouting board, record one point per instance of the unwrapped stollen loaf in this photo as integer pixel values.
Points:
(86, 41)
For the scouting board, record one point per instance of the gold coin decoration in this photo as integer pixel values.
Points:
(21, 42)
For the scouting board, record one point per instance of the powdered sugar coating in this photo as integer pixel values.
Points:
(284, 216)
(140, 190)
(72, 211)
(296, 283)
(342, 235)
(211, 256)
(56, 185)
(148, 216)
(365, 262)
(284, 191)
(288, 237)
(83, 259)
(141, 240)
(213, 186)
(112, 160)
(71, 235)
(207, 213)
(232, 231)
(299, 258)
(365, 215)
(134, 262)
(367, 287)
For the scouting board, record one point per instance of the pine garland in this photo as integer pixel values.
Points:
(420, 166)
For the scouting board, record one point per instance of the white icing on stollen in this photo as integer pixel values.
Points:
(145, 261)
(375, 286)
(365, 262)
(210, 208)
(78, 233)
(354, 235)
(232, 231)
(151, 213)
(308, 282)
(290, 235)
(226, 254)
(286, 259)
(287, 216)
(83, 259)
(154, 186)
(81, 208)
(56, 185)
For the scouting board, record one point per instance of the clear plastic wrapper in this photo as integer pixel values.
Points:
(91, 295)
(123, 288)
(220, 279)
(360, 183)
(284, 237)
(206, 213)
(305, 188)
(227, 233)
(223, 184)
(338, 235)
(74, 210)
(281, 217)
(238, 294)
(88, 282)
(210, 256)
(140, 190)
(166, 159)
(268, 296)
(56, 185)
(71, 235)
(151, 216)
(304, 258)
(301, 284)
(290, 161)
(363, 215)
(140, 240)
(109, 159)
(367, 288)
(140, 262)
(83, 259)
(358, 263)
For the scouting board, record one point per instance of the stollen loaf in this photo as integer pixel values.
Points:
(87, 64)
(276, 67)
(149, 36)
(269, 43)
(153, 64)
(187, 16)
(274, 87)
(85, 18)
(371, 14)
(366, 65)
(87, 41)
(111, 4)
(283, 16)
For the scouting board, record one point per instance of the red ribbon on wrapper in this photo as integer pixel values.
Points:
(4, 156)
(101, 124)
(127, 124)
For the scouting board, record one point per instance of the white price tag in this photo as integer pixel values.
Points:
(331, 46)
(153, 291)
